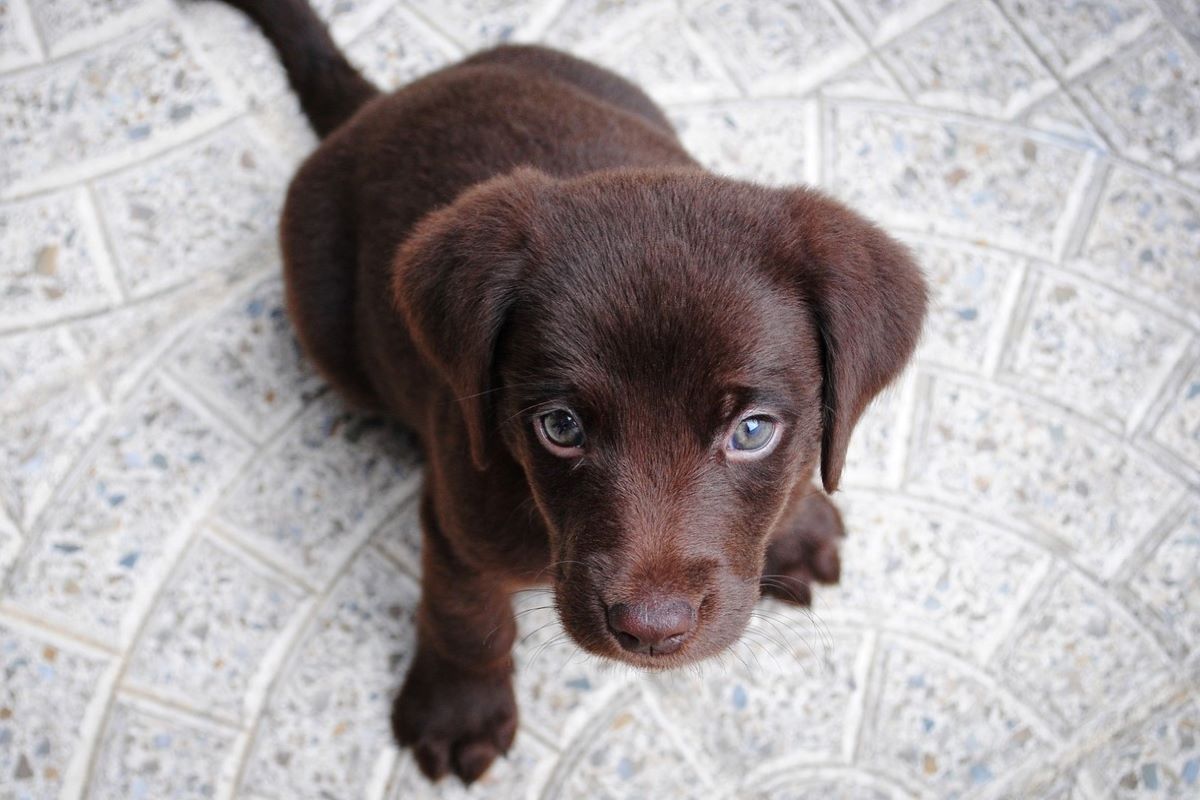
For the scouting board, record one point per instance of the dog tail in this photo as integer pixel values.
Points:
(329, 87)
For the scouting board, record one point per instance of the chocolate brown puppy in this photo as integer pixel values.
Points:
(624, 371)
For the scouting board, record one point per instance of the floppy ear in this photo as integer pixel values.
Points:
(869, 300)
(456, 277)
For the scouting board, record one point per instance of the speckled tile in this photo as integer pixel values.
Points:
(398, 48)
(519, 774)
(400, 536)
(1058, 114)
(69, 24)
(630, 754)
(842, 784)
(349, 18)
(477, 24)
(34, 363)
(559, 687)
(866, 79)
(1102, 354)
(209, 202)
(874, 445)
(942, 727)
(225, 36)
(1024, 463)
(246, 359)
(1169, 582)
(969, 286)
(43, 699)
(719, 136)
(915, 567)
(1184, 16)
(10, 545)
(39, 444)
(210, 628)
(776, 46)
(1150, 104)
(171, 493)
(118, 347)
(969, 59)
(784, 696)
(19, 44)
(326, 722)
(54, 263)
(154, 468)
(144, 754)
(316, 495)
(588, 17)
(941, 175)
(103, 107)
(1072, 36)
(280, 121)
(1047, 782)
(1145, 240)
(1159, 757)
(884, 19)
(1073, 652)
(647, 43)
(1179, 428)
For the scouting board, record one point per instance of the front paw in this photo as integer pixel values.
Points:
(805, 551)
(455, 720)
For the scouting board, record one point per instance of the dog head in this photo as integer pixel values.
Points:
(666, 355)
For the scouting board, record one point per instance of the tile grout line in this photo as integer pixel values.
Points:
(39, 39)
(1169, 13)
(1158, 386)
(1035, 587)
(1149, 420)
(1174, 516)
(867, 669)
(120, 655)
(170, 706)
(170, 566)
(923, 384)
(17, 617)
(1064, 83)
(874, 50)
(287, 644)
(461, 48)
(290, 653)
(99, 225)
(1012, 315)
(703, 49)
(223, 532)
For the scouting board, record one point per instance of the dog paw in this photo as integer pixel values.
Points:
(455, 720)
(805, 551)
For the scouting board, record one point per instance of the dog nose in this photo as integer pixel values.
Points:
(655, 627)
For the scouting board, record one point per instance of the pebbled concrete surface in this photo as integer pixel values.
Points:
(209, 568)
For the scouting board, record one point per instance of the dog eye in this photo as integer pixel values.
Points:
(752, 434)
(560, 432)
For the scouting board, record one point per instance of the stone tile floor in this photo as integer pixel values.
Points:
(209, 567)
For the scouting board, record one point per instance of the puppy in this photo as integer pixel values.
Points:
(623, 370)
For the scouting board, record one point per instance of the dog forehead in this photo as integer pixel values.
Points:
(662, 349)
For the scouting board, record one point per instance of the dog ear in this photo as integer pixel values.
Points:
(869, 300)
(456, 277)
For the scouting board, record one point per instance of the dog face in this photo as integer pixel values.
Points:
(666, 355)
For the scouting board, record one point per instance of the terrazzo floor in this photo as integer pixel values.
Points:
(209, 568)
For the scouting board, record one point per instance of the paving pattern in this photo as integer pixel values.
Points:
(209, 567)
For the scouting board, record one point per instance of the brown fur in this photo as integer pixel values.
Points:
(522, 230)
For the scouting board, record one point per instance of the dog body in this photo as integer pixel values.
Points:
(623, 370)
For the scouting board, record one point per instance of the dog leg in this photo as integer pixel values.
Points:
(457, 710)
(804, 549)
